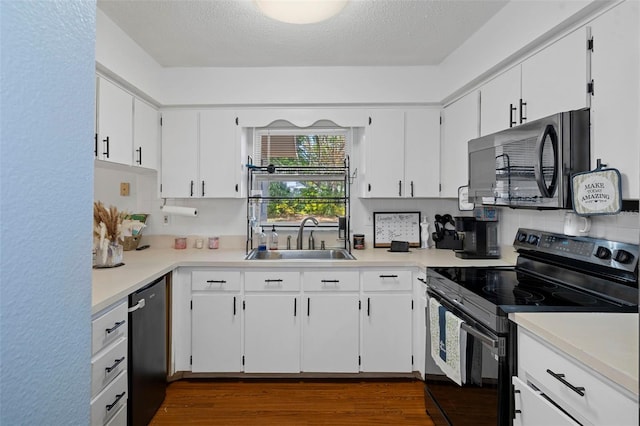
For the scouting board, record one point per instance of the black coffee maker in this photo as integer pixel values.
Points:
(480, 234)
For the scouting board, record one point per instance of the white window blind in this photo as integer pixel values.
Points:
(295, 148)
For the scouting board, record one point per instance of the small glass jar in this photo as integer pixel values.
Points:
(358, 241)
(214, 242)
(180, 243)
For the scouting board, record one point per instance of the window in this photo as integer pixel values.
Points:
(307, 177)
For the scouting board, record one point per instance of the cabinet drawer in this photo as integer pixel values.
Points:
(106, 405)
(215, 280)
(331, 280)
(106, 366)
(109, 327)
(380, 280)
(532, 408)
(602, 402)
(272, 281)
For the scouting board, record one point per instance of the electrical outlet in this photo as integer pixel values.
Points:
(165, 220)
(124, 189)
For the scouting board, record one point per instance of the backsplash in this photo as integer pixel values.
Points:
(227, 217)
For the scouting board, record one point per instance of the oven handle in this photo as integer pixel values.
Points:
(491, 342)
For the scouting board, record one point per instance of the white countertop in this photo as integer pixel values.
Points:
(142, 267)
(604, 342)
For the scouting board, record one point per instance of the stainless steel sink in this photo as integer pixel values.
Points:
(333, 254)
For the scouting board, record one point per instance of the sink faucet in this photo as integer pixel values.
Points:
(301, 230)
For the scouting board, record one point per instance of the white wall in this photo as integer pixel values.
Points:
(46, 170)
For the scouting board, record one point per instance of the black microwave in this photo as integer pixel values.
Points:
(530, 165)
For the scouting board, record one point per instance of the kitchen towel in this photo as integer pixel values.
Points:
(448, 342)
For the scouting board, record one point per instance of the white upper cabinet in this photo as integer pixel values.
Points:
(219, 159)
(614, 106)
(500, 102)
(460, 122)
(114, 136)
(555, 79)
(179, 154)
(200, 154)
(402, 154)
(422, 153)
(146, 135)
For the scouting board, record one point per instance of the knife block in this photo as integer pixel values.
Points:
(449, 242)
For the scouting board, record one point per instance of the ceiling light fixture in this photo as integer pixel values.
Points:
(301, 11)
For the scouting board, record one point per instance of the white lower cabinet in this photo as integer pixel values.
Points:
(216, 326)
(577, 392)
(109, 366)
(330, 333)
(272, 333)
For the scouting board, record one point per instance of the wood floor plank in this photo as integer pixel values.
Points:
(293, 402)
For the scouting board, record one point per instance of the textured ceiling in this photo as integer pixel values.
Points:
(233, 33)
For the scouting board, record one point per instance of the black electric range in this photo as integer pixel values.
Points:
(553, 273)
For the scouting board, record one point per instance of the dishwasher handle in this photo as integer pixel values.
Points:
(137, 306)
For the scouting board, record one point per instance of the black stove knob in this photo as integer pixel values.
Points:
(603, 253)
(522, 237)
(533, 239)
(623, 256)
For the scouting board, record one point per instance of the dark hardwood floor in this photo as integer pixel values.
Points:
(293, 402)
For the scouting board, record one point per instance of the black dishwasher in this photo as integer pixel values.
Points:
(147, 367)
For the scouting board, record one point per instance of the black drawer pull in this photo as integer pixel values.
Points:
(118, 398)
(388, 276)
(234, 306)
(422, 280)
(115, 326)
(217, 281)
(273, 281)
(329, 281)
(115, 364)
(577, 389)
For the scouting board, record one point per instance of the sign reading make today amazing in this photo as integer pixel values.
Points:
(597, 192)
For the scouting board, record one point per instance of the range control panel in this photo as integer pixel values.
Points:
(612, 254)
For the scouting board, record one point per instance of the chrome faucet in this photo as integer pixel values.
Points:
(301, 230)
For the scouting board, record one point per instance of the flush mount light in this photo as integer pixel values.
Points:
(301, 11)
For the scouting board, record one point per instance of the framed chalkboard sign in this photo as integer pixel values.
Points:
(396, 226)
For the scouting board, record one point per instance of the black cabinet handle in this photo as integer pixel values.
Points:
(203, 188)
(106, 143)
(115, 326)
(308, 306)
(369, 187)
(192, 188)
(95, 146)
(273, 281)
(330, 281)
(217, 281)
(295, 306)
(577, 389)
(522, 117)
(422, 280)
(388, 276)
(411, 189)
(234, 306)
(236, 187)
(118, 398)
(512, 110)
(115, 364)
(399, 188)
(139, 160)
(368, 306)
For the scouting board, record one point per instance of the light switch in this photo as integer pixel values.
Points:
(124, 189)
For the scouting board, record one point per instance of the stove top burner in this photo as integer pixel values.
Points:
(521, 297)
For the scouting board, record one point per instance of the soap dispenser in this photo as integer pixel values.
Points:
(273, 241)
(262, 240)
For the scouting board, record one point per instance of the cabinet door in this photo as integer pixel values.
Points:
(422, 153)
(220, 162)
(115, 123)
(216, 333)
(555, 79)
(384, 154)
(179, 154)
(615, 103)
(532, 409)
(146, 131)
(330, 333)
(386, 333)
(459, 125)
(499, 102)
(272, 333)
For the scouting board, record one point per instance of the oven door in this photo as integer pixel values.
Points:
(484, 399)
